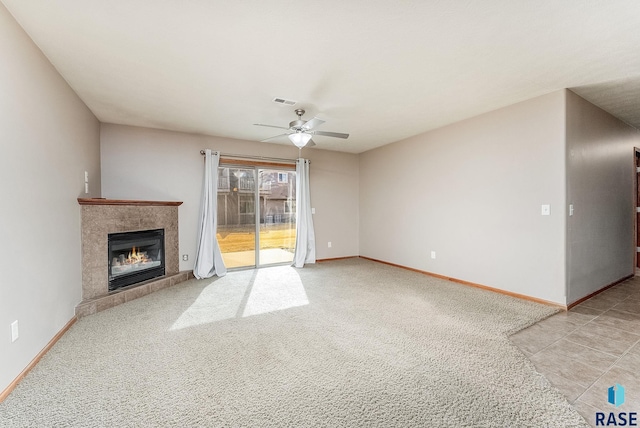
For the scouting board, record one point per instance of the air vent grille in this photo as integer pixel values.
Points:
(284, 102)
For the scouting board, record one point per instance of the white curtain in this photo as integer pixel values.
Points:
(208, 256)
(305, 236)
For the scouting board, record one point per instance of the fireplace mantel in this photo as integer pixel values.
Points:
(104, 201)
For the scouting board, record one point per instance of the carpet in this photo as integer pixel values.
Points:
(345, 343)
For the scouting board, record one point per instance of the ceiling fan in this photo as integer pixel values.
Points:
(300, 131)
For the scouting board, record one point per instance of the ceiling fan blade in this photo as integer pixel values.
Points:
(270, 126)
(272, 138)
(330, 134)
(313, 123)
(311, 143)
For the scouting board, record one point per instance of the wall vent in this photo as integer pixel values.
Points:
(284, 102)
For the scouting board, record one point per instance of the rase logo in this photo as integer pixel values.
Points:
(615, 397)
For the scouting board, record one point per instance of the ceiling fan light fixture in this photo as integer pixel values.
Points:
(300, 139)
(300, 131)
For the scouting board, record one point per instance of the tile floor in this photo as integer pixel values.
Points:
(589, 348)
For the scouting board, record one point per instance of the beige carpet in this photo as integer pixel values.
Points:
(339, 344)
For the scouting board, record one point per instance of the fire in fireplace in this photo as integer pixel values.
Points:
(135, 257)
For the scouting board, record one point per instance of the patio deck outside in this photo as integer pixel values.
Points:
(237, 244)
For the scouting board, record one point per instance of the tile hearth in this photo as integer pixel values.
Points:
(129, 293)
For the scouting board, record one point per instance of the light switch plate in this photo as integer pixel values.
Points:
(546, 210)
(14, 331)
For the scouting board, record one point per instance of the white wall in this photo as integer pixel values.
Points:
(472, 192)
(142, 163)
(48, 139)
(600, 185)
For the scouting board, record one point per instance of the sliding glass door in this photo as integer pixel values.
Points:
(256, 215)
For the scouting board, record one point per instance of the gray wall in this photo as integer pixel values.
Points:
(473, 192)
(600, 185)
(142, 163)
(48, 139)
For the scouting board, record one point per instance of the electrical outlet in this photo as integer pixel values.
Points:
(185, 257)
(86, 187)
(433, 254)
(329, 244)
(14, 331)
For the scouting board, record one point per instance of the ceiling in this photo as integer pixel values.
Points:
(380, 70)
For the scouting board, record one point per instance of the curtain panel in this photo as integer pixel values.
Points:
(208, 256)
(305, 251)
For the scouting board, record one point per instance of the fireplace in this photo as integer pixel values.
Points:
(135, 257)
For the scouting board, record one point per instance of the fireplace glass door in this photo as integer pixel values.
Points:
(135, 257)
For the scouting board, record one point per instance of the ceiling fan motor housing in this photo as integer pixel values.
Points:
(297, 124)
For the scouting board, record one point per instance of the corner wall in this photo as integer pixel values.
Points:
(472, 192)
(48, 139)
(600, 185)
(143, 163)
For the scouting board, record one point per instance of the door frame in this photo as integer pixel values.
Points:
(636, 204)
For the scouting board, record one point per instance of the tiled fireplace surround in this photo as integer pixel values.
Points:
(103, 216)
